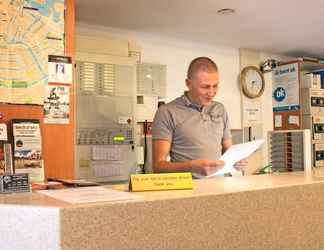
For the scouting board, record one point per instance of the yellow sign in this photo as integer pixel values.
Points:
(150, 182)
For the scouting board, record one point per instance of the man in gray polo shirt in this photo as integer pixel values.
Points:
(193, 129)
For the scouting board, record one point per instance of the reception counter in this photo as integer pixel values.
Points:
(254, 212)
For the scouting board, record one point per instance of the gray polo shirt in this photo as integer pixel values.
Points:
(194, 132)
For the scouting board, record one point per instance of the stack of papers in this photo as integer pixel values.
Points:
(89, 194)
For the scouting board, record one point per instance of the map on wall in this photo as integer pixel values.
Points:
(30, 30)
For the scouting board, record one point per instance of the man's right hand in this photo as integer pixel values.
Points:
(206, 167)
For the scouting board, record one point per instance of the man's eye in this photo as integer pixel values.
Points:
(209, 87)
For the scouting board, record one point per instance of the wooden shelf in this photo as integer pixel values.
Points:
(311, 66)
(306, 65)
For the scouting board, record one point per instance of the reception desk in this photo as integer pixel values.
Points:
(254, 212)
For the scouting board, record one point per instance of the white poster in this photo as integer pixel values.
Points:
(57, 104)
(3, 132)
(26, 128)
(285, 88)
(34, 168)
(28, 149)
(251, 112)
(60, 69)
(278, 121)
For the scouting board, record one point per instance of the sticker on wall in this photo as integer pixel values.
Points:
(251, 112)
(293, 119)
(57, 104)
(59, 69)
(3, 132)
(278, 121)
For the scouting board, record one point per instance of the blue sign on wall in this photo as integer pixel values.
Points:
(279, 94)
(285, 86)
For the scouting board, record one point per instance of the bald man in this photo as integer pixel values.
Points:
(193, 129)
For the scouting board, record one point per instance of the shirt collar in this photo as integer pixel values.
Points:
(191, 104)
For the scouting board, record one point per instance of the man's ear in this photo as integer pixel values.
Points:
(188, 83)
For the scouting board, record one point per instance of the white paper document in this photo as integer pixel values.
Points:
(89, 194)
(107, 168)
(111, 153)
(234, 154)
(60, 72)
(3, 132)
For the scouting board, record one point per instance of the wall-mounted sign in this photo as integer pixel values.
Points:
(57, 104)
(59, 69)
(251, 112)
(285, 88)
(28, 148)
(3, 132)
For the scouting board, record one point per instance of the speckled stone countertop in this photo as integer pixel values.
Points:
(253, 212)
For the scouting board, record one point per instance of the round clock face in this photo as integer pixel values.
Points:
(252, 82)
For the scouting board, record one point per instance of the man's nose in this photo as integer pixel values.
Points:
(211, 92)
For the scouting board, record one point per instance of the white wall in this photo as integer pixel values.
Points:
(177, 54)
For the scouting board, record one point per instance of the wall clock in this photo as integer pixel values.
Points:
(252, 82)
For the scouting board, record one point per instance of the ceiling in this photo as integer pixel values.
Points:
(287, 27)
